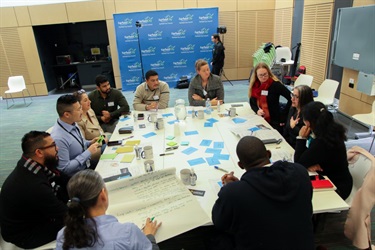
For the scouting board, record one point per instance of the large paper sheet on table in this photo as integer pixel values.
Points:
(158, 194)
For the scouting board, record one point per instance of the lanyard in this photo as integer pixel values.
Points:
(79, 141)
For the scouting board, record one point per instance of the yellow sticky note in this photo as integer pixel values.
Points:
(127, 158)
(108, 156)
(132, 142)
(126, 149)
(172, 143)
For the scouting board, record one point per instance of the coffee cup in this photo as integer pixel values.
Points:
(185, 176)
(159, 124)
(149, 166)
(232, 112)
(147, 152)
(152, 117)
(199, 114)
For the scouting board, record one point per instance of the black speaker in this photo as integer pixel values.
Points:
(221, 30)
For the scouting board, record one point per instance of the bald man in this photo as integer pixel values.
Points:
(269, 207)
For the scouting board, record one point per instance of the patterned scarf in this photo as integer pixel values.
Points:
(35, 167)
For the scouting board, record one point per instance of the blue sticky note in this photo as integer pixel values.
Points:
(238, 120)
(213, 150)
(168, 114)
(149, 134)
(196, 161)
(184, 143)
(205, 143)
(208, 125)
(189, 150)
(124, 119)
(194, 132)
(212, 120)
(189, 112)
(221, 156)
(172, 122)
(218, 144)
(253, 129)
(169, 137)
(212, 161)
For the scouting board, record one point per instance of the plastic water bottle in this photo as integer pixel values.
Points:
(208, 106)
(218, 106)
(193, 177)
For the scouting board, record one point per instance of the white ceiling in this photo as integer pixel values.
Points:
(13, 3)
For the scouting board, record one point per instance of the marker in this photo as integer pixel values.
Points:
(151, 220)
(171, 148)
(221, 169)
(171, 153)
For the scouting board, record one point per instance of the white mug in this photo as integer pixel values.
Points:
(185, 176)
(232, 112)
(159, 124)
(152, 117)
(147, 152)
(199, 114)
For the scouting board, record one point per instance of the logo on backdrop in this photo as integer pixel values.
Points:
(157, 65)
(128, 53)
(178, 34)
(147, 21)
(156, 35)
(133, 80)
(170, 77)
(182, 63)
(168, 50)
(208, 18)
(206, 48)
(188, 18)
(202, 32)
(126, 23)
(168, 19)
(187, 49)
(135, 66)
(150, 51)
(131, 38)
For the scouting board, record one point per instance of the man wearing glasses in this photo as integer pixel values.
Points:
(33, 197)
(75, 151)
(109, 104)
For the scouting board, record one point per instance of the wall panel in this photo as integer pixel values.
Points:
(169, 4)
(190, 3)
(229, 19)
(114, 52)
(85, 11)
(224, 5)
(23, 16)
(8, 17)
(56, 14)
(256, 5)
(123, 6)
(281, 4)
(283, 27)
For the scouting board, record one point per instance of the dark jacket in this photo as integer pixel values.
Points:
(215, 89)
(218, 54)
(332, 160)
(290, 134)
(277, 114)
(269, 208)
(30, 212)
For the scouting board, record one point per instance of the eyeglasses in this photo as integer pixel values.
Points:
(262, 75)
(49, 146)
(294, 96)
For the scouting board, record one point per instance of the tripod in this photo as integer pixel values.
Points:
(222, 73)
(138, 25)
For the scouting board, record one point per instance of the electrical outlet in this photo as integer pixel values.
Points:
(351, 80)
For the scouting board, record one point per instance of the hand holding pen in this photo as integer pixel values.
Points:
(225, 179)
(151, 226)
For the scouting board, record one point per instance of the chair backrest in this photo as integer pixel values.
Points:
(16, 83)
(283, 52)
(327, 91)
(358, 168)
(304, 80)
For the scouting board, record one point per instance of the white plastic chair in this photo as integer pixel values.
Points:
(16, 84)
(284, 53)
(368, 119)
(327, 91)
(304, 80)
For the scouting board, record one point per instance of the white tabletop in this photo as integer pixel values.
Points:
(208, 177)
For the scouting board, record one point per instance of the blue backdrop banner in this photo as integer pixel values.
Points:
(170, 42)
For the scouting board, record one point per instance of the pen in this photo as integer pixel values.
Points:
(151, 220)
(171, 148)
(171, 153)
(221, 169)
(127, 138)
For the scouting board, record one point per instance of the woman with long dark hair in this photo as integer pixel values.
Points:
(301, 96)
(326, 152)
(87, 226)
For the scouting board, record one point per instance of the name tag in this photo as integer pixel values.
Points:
(156, 97)
(204, 92)
(111, 104)
(264, 92)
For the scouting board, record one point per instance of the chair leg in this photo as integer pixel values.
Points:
(24, 100)
(8, 107)
(373, 138)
